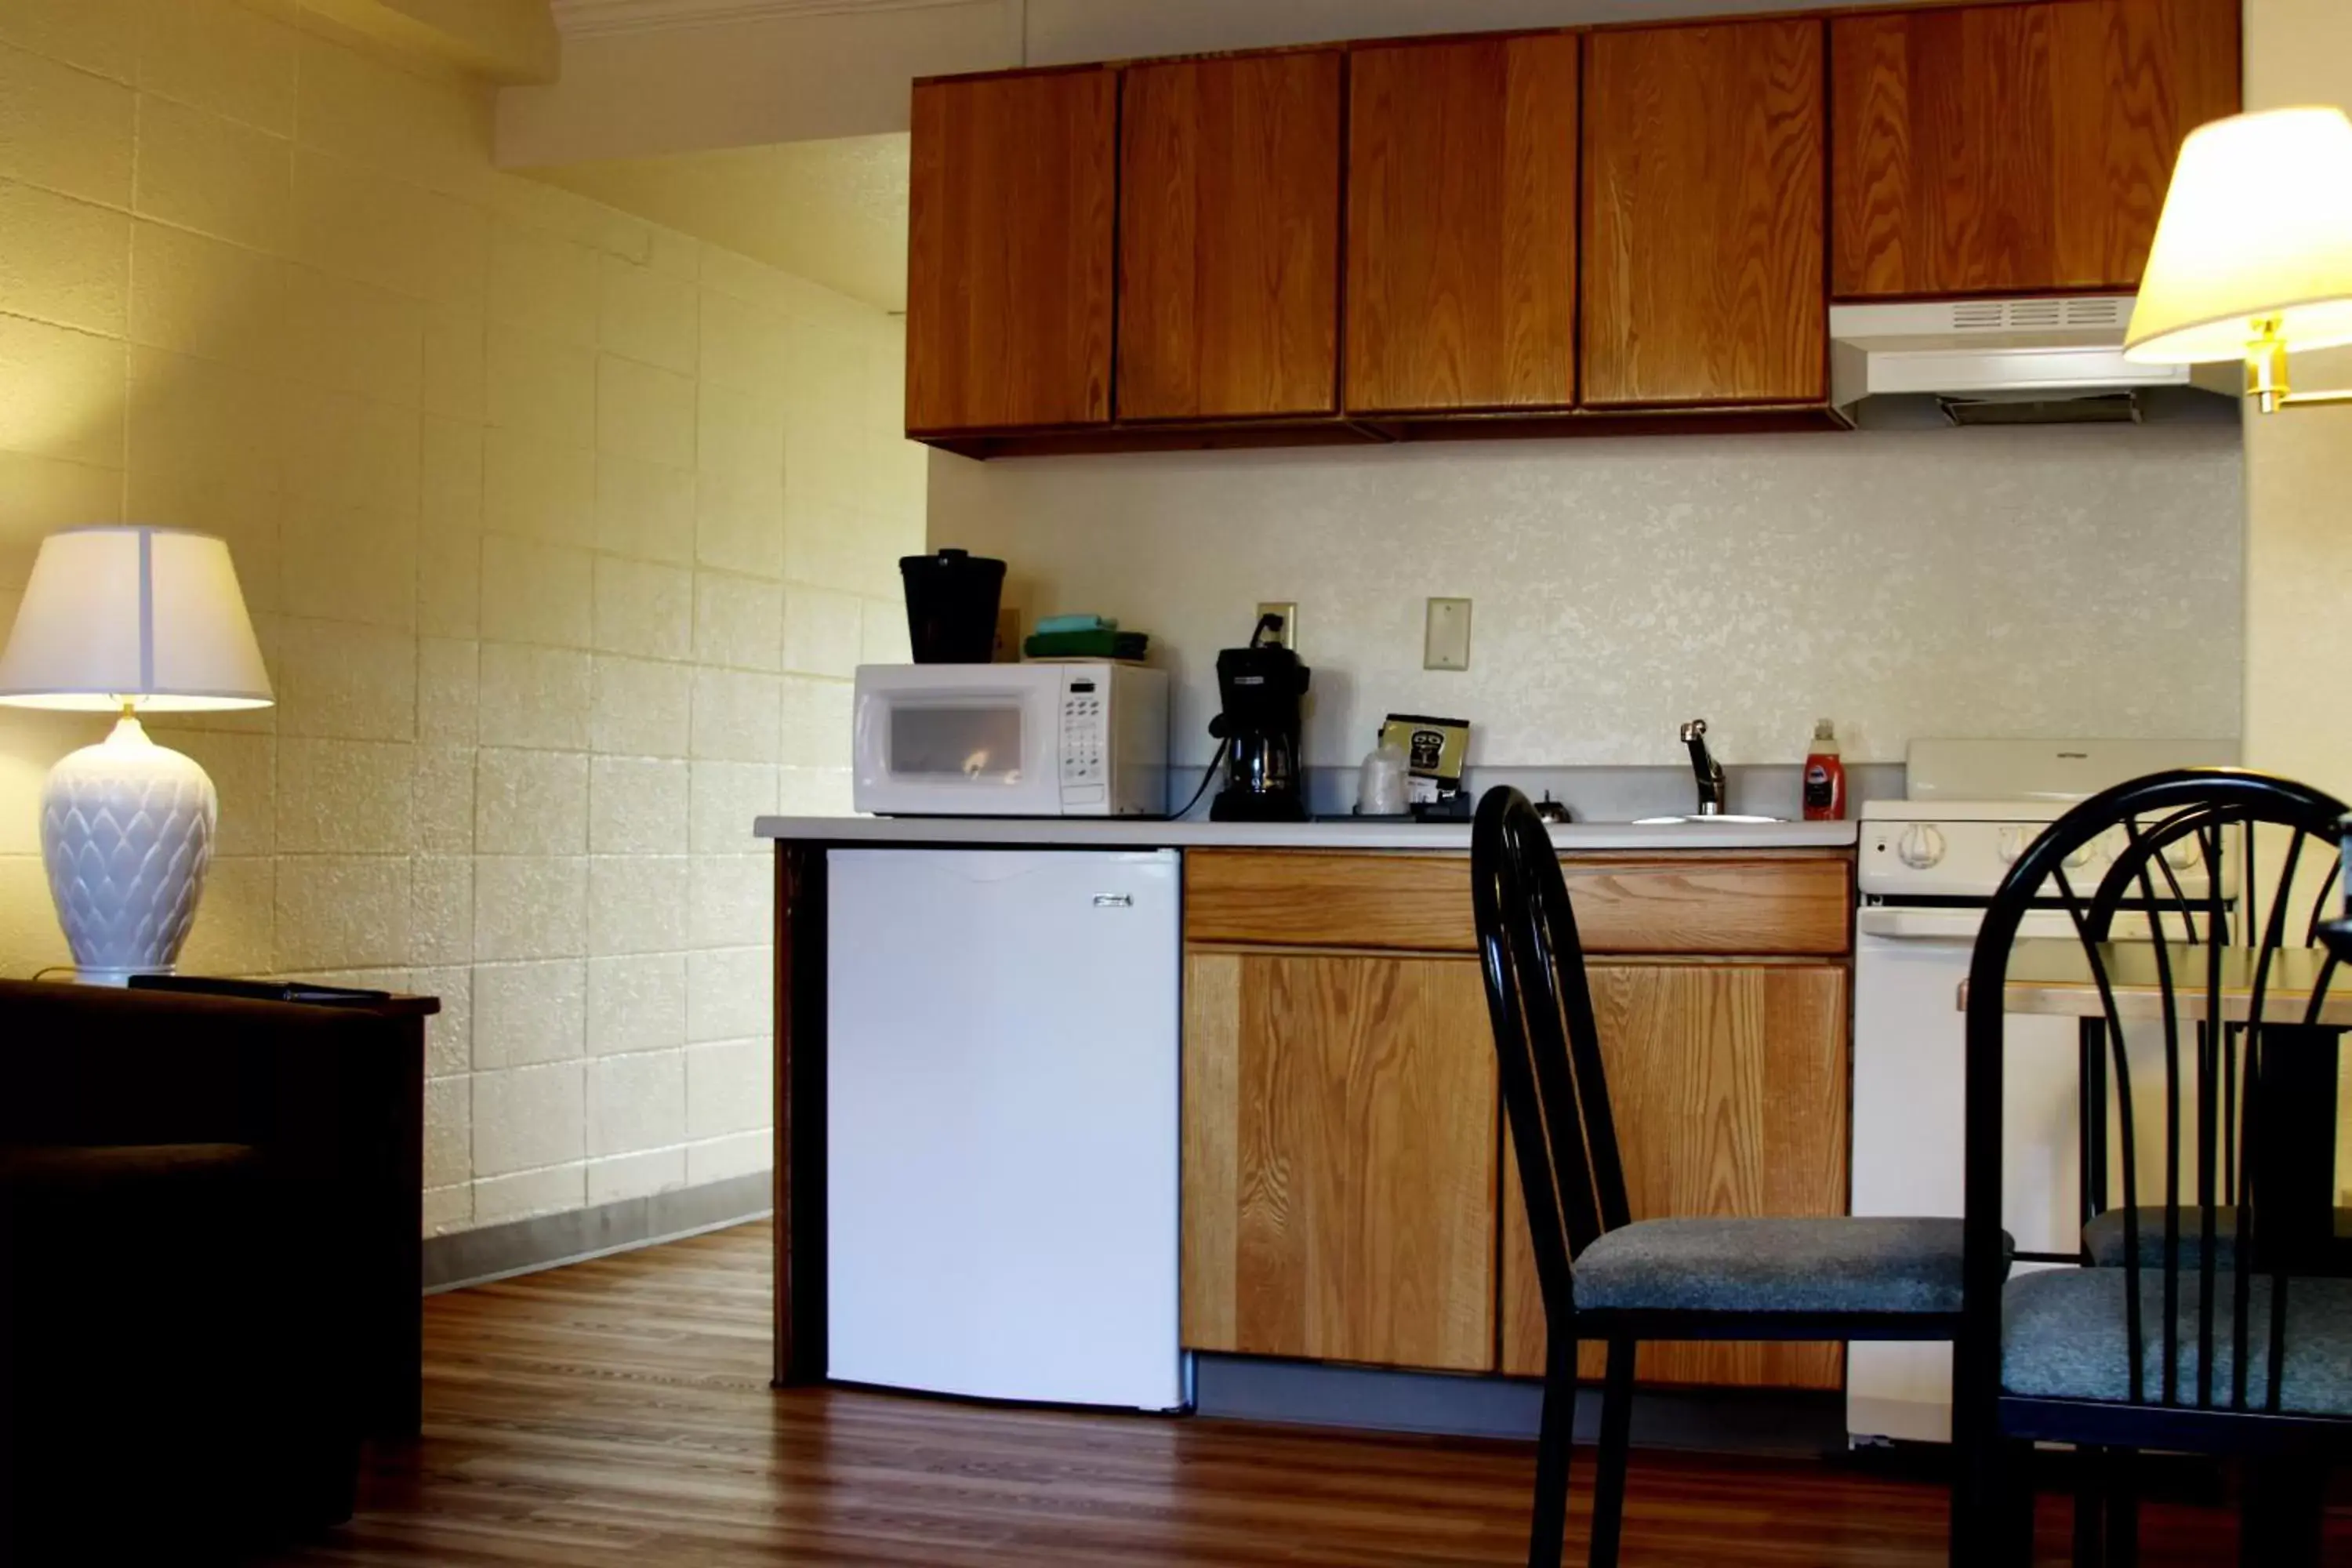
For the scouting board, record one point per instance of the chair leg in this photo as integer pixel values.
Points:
(2013, 1518)
(2092, 1479)
(2280, 1512)
(1616, 1441)
(1553, 1442)
(2106, 1509)
(1977, 1444)
(2122, 1487)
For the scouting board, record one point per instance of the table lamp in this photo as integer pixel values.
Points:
(114, 620)
(2253, 255)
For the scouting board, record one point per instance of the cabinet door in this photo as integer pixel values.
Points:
(1727, 1084)
(1229, 237)
(2008, 149)
(1461, 224)
(1339, 1159)
(1703, 224)
(1009, 256)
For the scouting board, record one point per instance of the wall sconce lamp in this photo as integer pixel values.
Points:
(2252, 259)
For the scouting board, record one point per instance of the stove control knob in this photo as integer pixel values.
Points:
(2012, 844)
(2080, 855)
(1920, 846)
(2184, 852)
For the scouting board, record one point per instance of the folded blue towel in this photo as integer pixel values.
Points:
(1052, 624)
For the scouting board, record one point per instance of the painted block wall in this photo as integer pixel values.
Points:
(2299, 470)
(562, 533)
(2298, 477)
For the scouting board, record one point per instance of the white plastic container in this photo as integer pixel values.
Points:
(1380, 786)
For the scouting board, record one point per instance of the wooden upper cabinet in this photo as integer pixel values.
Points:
(1011, 200)
(2012, 149)
(1462, 226)
(1229, 237)
(1703, 215)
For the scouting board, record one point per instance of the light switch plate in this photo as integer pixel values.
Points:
(1446, 637)
(1288, 610)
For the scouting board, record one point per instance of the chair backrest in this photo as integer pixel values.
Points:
(1547, 1046)
(2215, 883)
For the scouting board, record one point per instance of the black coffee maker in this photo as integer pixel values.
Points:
(1262, 686)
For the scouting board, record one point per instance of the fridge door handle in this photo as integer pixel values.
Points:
(1114, 900)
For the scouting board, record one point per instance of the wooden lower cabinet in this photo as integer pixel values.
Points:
(1340, 1159)
(1729, 1084)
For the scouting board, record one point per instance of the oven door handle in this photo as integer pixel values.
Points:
(1919, 925)
(1956, 925)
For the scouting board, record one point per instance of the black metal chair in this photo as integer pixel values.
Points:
(2173, 878)
(1608, 1277)
(2242, 1347)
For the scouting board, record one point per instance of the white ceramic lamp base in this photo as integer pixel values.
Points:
(126, 834)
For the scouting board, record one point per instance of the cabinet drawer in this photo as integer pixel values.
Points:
(1761, 904)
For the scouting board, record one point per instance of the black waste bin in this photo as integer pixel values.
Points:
(952, 599)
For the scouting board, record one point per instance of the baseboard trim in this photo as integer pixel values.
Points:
(1778, 1422)
(548, 1241)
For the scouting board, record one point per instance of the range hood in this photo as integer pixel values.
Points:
(2057, 359)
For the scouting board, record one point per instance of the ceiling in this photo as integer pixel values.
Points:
(833, 211)
(582, 19)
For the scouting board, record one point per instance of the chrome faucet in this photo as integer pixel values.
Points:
(1709, 770)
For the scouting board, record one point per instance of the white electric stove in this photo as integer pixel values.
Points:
(1930, 866)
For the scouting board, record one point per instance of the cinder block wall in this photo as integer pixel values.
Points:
(562, 533)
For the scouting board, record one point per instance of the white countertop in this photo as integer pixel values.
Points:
(1142, 833)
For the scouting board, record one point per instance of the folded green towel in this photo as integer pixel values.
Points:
(1086, 645)
(1053, 625)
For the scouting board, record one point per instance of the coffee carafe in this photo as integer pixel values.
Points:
(1263, 687)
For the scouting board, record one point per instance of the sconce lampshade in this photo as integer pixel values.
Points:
(2255, 244)
(150, 616)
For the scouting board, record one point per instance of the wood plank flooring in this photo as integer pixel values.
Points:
(616, 1414)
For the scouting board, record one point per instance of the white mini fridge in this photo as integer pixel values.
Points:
(1001, 1138)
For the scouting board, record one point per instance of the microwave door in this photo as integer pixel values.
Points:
(977, 743)
(981, 750)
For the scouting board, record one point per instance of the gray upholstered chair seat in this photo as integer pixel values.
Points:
(2104, 1238)
(2063, 1337)
(1773, 1266)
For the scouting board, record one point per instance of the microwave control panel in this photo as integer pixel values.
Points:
(1086, 741)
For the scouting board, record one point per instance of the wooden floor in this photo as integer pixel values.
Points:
(616, 1414)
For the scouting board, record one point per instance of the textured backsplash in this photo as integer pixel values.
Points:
(2024, 581)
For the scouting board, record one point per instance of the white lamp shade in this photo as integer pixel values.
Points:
(148, 616)
(2257, 225)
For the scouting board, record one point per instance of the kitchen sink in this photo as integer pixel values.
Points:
(1728, 819)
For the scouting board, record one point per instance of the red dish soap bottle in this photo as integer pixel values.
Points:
(1824, 776)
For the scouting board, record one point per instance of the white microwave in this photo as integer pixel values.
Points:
(1084, 739)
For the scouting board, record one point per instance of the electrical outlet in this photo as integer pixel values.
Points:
(1445, 635)
(1288, 610)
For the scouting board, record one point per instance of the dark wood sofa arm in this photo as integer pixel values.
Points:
(90, 1065)
(332, 1098)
